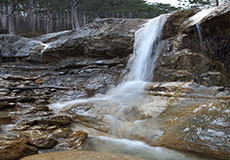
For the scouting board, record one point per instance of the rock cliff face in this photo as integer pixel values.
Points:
(183, 59)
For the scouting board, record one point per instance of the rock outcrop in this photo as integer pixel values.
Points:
(107, 38)
(184, 58)
(196, 118)
(203, 129)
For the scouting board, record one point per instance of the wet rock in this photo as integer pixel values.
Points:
(40, 139)
(62, 120)
(44, 142)
(4, 104)
(81, 135)
(41, 102)
(15, 149)
(74, 141)
(203, 129)
(61, 132)
(21, 128)
(26, 99)
(5, 118)
(38, 108)
(4, 92)
(64, 146)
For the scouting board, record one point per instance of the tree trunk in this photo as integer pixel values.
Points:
(61, 23)
(57, 22)
(69, 20)
(130, 15)
(11, 24)
(44, 23)
(84, 19)
(217, 2)
(72, 17)
(49, 23)
(31, 16)
(38, 23)
(3, 14)
(75, 16)
(17, 25)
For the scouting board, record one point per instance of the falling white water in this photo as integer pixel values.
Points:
(42, 51)
(146, 49)
(198, 29)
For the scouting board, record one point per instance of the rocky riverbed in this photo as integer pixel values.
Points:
(186, 108)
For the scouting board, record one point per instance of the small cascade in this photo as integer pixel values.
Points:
(42, 51)
(198, 29)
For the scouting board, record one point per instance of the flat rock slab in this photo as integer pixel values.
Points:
(79, 155)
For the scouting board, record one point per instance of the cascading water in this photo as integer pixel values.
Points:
(147, 48)
(198, 29)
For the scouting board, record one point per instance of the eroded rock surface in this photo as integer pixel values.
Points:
(202, 128)
(184, 59)
(15, 149)
(107, 38)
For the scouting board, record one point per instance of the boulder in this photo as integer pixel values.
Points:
(104, 38)
(15, 149)
(61, 132)
(59, 119)
(40, 139)
(79, 137)
(12, 46)
(203, 129)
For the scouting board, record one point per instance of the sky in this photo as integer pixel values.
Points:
(172, 2)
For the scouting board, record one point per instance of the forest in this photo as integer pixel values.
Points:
(42, 16)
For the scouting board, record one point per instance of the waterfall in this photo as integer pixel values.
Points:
(198, 29)
(147, 47)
